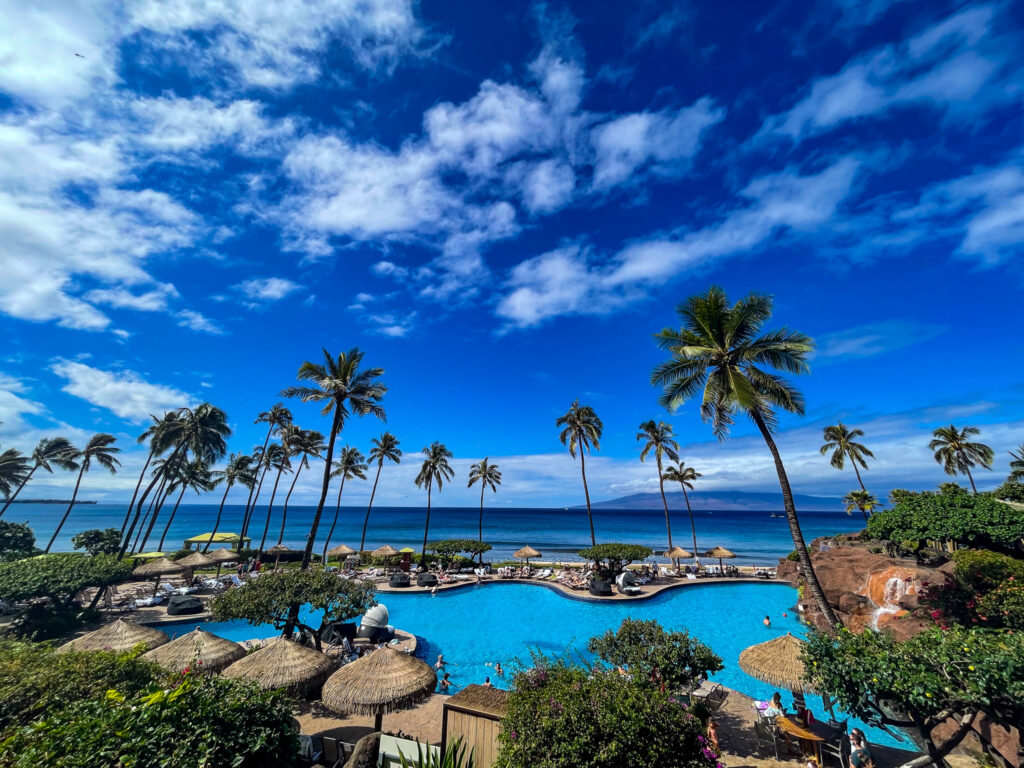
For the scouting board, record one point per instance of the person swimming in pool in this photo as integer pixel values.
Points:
(767, 621)
(439, 664)
(487, 683)
(497, 668)
(444, 684)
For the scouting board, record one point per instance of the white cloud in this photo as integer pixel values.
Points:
(197, 322)
(125, 393)
(548, 186)
(874, 339)
(266, 289)
(121, 298)
(13, 406)
(391, 324)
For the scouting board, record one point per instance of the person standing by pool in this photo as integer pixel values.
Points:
(860, 755)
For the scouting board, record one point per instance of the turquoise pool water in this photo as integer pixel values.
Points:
(500, 622)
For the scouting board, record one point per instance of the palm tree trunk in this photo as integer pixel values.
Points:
(154, 509)
(664, 502)
(216, 523)
(481, 532)
(138, 485)
(156, 514)
(270, 507)
(284, 512)
(252, 510)
(23, 484)
(693, 527)
(970, 477)
(366, 521)
(67, 512)
(426, 528)
(586, 492)
(142, 500)
(307, 553)
(250, 502)
(794, 528)
(337, 511)
(858, 477)
(160, 546)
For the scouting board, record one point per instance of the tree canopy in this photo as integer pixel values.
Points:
(59, 577)
(614, 557)
(16, 541)
(98, 541)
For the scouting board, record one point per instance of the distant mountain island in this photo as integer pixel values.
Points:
(47, 501)
(724, 500)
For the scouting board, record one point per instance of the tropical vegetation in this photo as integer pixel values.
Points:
(842, 442)
(489, 476)
(581, 432)
(99, 449)
(384, 448)
(349, 465)
(957, 453)
(612, 558)
(435, 470)
(657, 439)
(686, 477)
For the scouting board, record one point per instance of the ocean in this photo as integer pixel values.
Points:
(756, 537)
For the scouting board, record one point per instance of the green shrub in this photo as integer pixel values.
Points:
(613, 557)
(97, 541)
(985, 587)
(1010, 491)
(16, 541)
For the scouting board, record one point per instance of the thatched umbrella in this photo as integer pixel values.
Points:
(386, 680)
(277, 550)
(677, 553)
(387, 551)
(341, 552)
(156, 569)
(118, 636)
(778, 662)
(720, 554)
(193, 561)
(221, 556)
(285, 664)
(525, 554)
(197, 650)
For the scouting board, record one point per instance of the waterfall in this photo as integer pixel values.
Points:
(895, 588)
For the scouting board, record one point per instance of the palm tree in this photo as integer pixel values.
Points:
(99, 449)
(842, 441)
(193, 474)
(489, 475)
(277, 418)
(151, 433)
(342, 388)
(582, 429)
(238, 470)
(385, 448)
(168, 470)
(277, 458)
(350, 464)
(1017, 466)
(685, 476)
(657, 437)
(201, 431)
(305, 443)
(13, 468)
(49, 451)
(718, 355)
(957, 454)
(435, 470)
(861, 500)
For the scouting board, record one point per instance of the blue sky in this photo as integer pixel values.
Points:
(500, 207)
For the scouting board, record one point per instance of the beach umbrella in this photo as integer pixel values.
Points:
(221, 556)
(197, 650)
(720, 554)
(387, 552)
(215, 538)
(778, 662)
(193, 561)
(677, 553)
(525, 554)
(118, 636)
(340, 551)
(277, 550)
(386, 680)
(156, 569)
(285, 664)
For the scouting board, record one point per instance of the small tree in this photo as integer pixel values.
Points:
(613, 558)
(447, 549)
(98, 541)
(1011, 490)
(269, 599)
(16, 541)
(475, 548)
(640, 646)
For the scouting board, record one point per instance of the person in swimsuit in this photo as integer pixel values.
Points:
(767, 622)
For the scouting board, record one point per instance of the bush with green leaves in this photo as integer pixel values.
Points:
(639, 646)
(270, 598)
(953, 515)
(196, 722)
(985, 588)
(563, 715)
(612, 558)
(17, 541)
(1010, 491)
(455, 755)
(921, 682)
(98, 541)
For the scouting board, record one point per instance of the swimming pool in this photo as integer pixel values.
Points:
(474, 627)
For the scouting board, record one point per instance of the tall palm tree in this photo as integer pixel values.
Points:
(305, 444)
(435, 470)
(343, 389)
(860, 500)
(193, 474)
(657, 438)
(151, 434)
(276, 418)
(685, 476)
(200, 432)
(99, 449)
(1017, 466)
(957, 453)
(238, 470)
(718, 355)
(581, 431)
(842, 441)
(489, 476)
(13, 468)
(349, 464)
(168, 470)
(385, 448)
(277, 458)
(49, 452)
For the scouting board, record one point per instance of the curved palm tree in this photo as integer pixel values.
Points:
(385, 448)
(49, 452)
(581, 431)
(277, 458)
(719, 356)
(489, 476)
(1017, 466)
(686, 477)
(957, 453)
(435, 470)
(193, 474)
(99, 449)
(305, 444)
(277, 418)
(842, 441)
(151, 433)
(13, 467)
(657, 437)
(238, 470)
(343, 389)
(168, 470)
(861, 500)
(350, 464)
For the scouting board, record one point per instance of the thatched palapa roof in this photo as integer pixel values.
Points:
(195, 560)
(118, 636)
(222, 555)
(199, 651)
(158, 568)
(298, 669)
(677, 552)
(386, 551)
(776, 662)
(719, 553)
(342, 550)
(281, 549)
(480, 698)
(386, 680)
(526, 552)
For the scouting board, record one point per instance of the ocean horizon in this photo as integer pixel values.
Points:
(558, 533)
